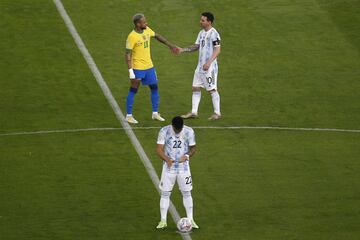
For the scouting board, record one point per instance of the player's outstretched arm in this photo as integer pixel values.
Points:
(161, 153)
(163, 40)
(191, 48)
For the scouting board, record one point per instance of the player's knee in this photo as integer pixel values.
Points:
(195, 89)
(165, 194)
(135, 83)
(186, 194)
(212, 91)
(153, 86)
(133, 89)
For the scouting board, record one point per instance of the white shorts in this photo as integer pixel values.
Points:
(206, 79)
(168, 180)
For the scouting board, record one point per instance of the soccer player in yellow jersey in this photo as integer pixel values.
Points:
(141, 68)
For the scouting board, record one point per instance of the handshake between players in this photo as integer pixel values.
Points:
(141, 68)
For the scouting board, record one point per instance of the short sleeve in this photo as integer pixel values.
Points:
(215, 39)
(192, 141)
(130, 43)
(161, 137)
(198, 39)
(152, 33)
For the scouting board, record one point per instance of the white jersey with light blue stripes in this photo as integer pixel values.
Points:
(177, 145)
(207, 40)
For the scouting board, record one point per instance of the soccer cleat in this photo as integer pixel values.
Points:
(162, 224)
(156, 116)
(214, 117)
(131, 119)
(189, 115)
(193, 224)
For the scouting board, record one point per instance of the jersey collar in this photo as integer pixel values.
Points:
(208, 30)
(176, 134)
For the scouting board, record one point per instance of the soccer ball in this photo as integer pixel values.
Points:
(184, 225)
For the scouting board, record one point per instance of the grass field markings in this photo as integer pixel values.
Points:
(61, 131)
(195, 127)
(114, 105)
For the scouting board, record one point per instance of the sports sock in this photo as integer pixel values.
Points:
(154, 97)
(164, 204)
(188, 203)
(130, 100)
(216, 102)
(196, 97)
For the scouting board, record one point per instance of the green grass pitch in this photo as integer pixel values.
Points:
(291, 63)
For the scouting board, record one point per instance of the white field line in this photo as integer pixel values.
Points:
(41, 132)
(114, 105)
(195, 127)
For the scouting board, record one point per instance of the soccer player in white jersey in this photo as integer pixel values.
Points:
(175, 146)
(208, 44)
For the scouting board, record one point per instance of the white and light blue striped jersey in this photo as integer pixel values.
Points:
(207, 40)
(176, 145)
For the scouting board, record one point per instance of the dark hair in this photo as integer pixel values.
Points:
(209, 16)
(177, 123)
(137, 17)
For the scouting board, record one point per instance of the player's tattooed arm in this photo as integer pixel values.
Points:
(128, 58)
(192, 150)
(161, 153)
(173, 47)
(187, 156)
(191, 48)
(129, 63)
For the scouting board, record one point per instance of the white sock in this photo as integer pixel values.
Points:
(188, 203)
(196, 97)
(128, 115)
(164, 204)
(155, 113)
(216, 102)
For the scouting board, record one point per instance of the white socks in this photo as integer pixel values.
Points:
(216, 102)
(196, 96)
(188, 203)
(164, 204)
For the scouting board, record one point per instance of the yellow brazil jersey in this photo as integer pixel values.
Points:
(139, 43)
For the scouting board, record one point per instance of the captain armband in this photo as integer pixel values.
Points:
(216, 42)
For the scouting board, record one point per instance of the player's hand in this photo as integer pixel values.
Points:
(131, 74)
(206, 66)
(175, 50)
(184, 158)
(169, 163)
(180, 50)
